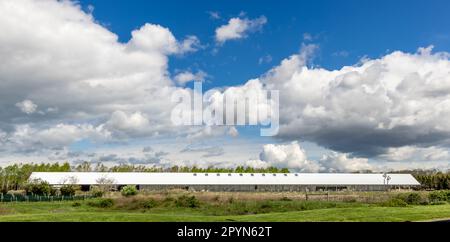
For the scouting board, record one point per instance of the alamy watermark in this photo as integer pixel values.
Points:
(233, 107)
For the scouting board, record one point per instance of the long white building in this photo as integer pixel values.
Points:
(232, 181)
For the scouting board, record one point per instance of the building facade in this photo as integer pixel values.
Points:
(232, 182)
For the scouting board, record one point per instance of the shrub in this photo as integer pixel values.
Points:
(68, 190)
(150, 204)
(447, 194)
(411, 198)
(97, 192)
(187, 202)
(101, 203)
(129, 190)
(39, 187)
(168, 201)
(76, 204)
(286, 199)
(439, 196)
(438, 203)
(266, 206)
(395, 202)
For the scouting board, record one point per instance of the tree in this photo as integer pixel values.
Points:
(101, 168)
(105, 184)
(84, 167)
(70, 186)
(39, 187)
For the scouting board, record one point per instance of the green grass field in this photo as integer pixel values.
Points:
(65, 211)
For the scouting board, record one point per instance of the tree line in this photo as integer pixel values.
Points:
(431, 179)
(15, 177)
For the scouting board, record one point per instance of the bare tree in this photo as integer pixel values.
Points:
(105, 183)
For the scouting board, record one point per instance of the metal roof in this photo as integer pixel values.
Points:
(143, 178)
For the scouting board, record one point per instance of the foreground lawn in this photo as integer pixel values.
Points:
(64, 211)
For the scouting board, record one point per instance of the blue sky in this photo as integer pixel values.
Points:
(363, 84)
(345, 30)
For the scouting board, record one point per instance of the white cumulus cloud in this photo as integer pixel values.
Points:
(294, 157)
(184, 77)
(238, 28)
(290, 156)
(366, 110)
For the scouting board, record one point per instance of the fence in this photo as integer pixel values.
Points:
(36, 198)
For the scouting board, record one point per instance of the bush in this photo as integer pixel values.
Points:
(76, 204)
(168, 201)
(129, 191)
(101, 203)
(68, 190)
(97, 192)
(447, 194)
(39, 187)
(395, 202)
(187, 202)
(438, 203)
(439, 196)
(412, 198)
(150, 204)
(266, 206)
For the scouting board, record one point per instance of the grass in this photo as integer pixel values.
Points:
(212, 208)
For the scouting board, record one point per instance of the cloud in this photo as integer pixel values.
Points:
(290, 156)
(415, 153)
(342, 53)
(398, 100)
(184, 77)
(112, 157)
(83, 78)
(121, 121)
(209, 150)
(147, 149)
(27, 139)
(339, 162)
(92, 86)
(293, 157)
(307, 37)
(155, 38)
(258, 164)
(27, 106)
(214, 15)
(265, 59)
(238, 28)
